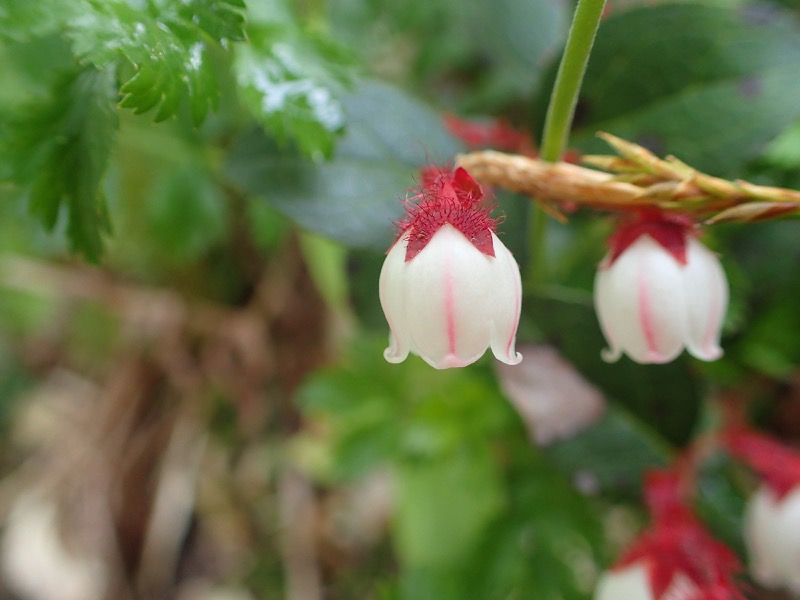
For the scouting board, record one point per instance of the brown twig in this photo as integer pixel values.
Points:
(634, 178)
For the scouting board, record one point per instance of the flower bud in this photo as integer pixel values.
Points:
(658, 291)
(449, 287)
(772, 536)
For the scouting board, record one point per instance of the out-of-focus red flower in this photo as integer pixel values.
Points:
(497, 134)
(676, 559)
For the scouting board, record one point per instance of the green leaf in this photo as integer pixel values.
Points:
(545, 544)
(355, 197)
(59, 149)
(23, 21)
(444, 505)
(613, 454)
(186, 214)
(521, 38)
(291, 81)
(378, 413)
(513, 42)
(168, 46)
(709, 84)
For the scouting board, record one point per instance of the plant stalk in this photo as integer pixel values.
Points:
(560, 113)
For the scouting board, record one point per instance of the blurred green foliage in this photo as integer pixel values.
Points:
(276, 116)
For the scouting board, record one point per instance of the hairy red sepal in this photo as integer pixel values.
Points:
(669, 230)
(777, 464)
(447, 197)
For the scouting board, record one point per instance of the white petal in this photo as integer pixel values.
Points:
(391, 284)
(707, 301)
(451, 301)
(628, 583)
(641, 305)
(772, 535)
(507, 304)
(448, 300)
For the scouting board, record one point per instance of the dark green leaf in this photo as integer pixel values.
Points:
(667, 396)
(720, 502)
(710, 84)
(613, 454)
(355, 197)
(59, 149)
(513, 42)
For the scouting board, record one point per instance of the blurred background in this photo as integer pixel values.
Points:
(195, 203)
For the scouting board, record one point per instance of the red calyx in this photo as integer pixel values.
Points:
(667, 229)
(777, 464)
(686, 549)
(678, 544)
(447, 197)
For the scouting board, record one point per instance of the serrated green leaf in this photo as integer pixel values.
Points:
(59, 149)
(355, 197)
(711, 84)
(167, 46)
(222, 20)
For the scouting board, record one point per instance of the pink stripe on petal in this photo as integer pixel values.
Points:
(513, 334)
(449, 307)
(645, 317)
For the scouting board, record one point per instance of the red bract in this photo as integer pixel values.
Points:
(778, 465)
(452, 197)
(667, 229)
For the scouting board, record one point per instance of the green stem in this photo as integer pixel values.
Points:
(560, 113)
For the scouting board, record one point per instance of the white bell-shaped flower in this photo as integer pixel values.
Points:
(451, 302)
(449, 287)
(772, 536)
(651, 304)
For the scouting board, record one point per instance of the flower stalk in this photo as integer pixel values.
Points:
(560, 112)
